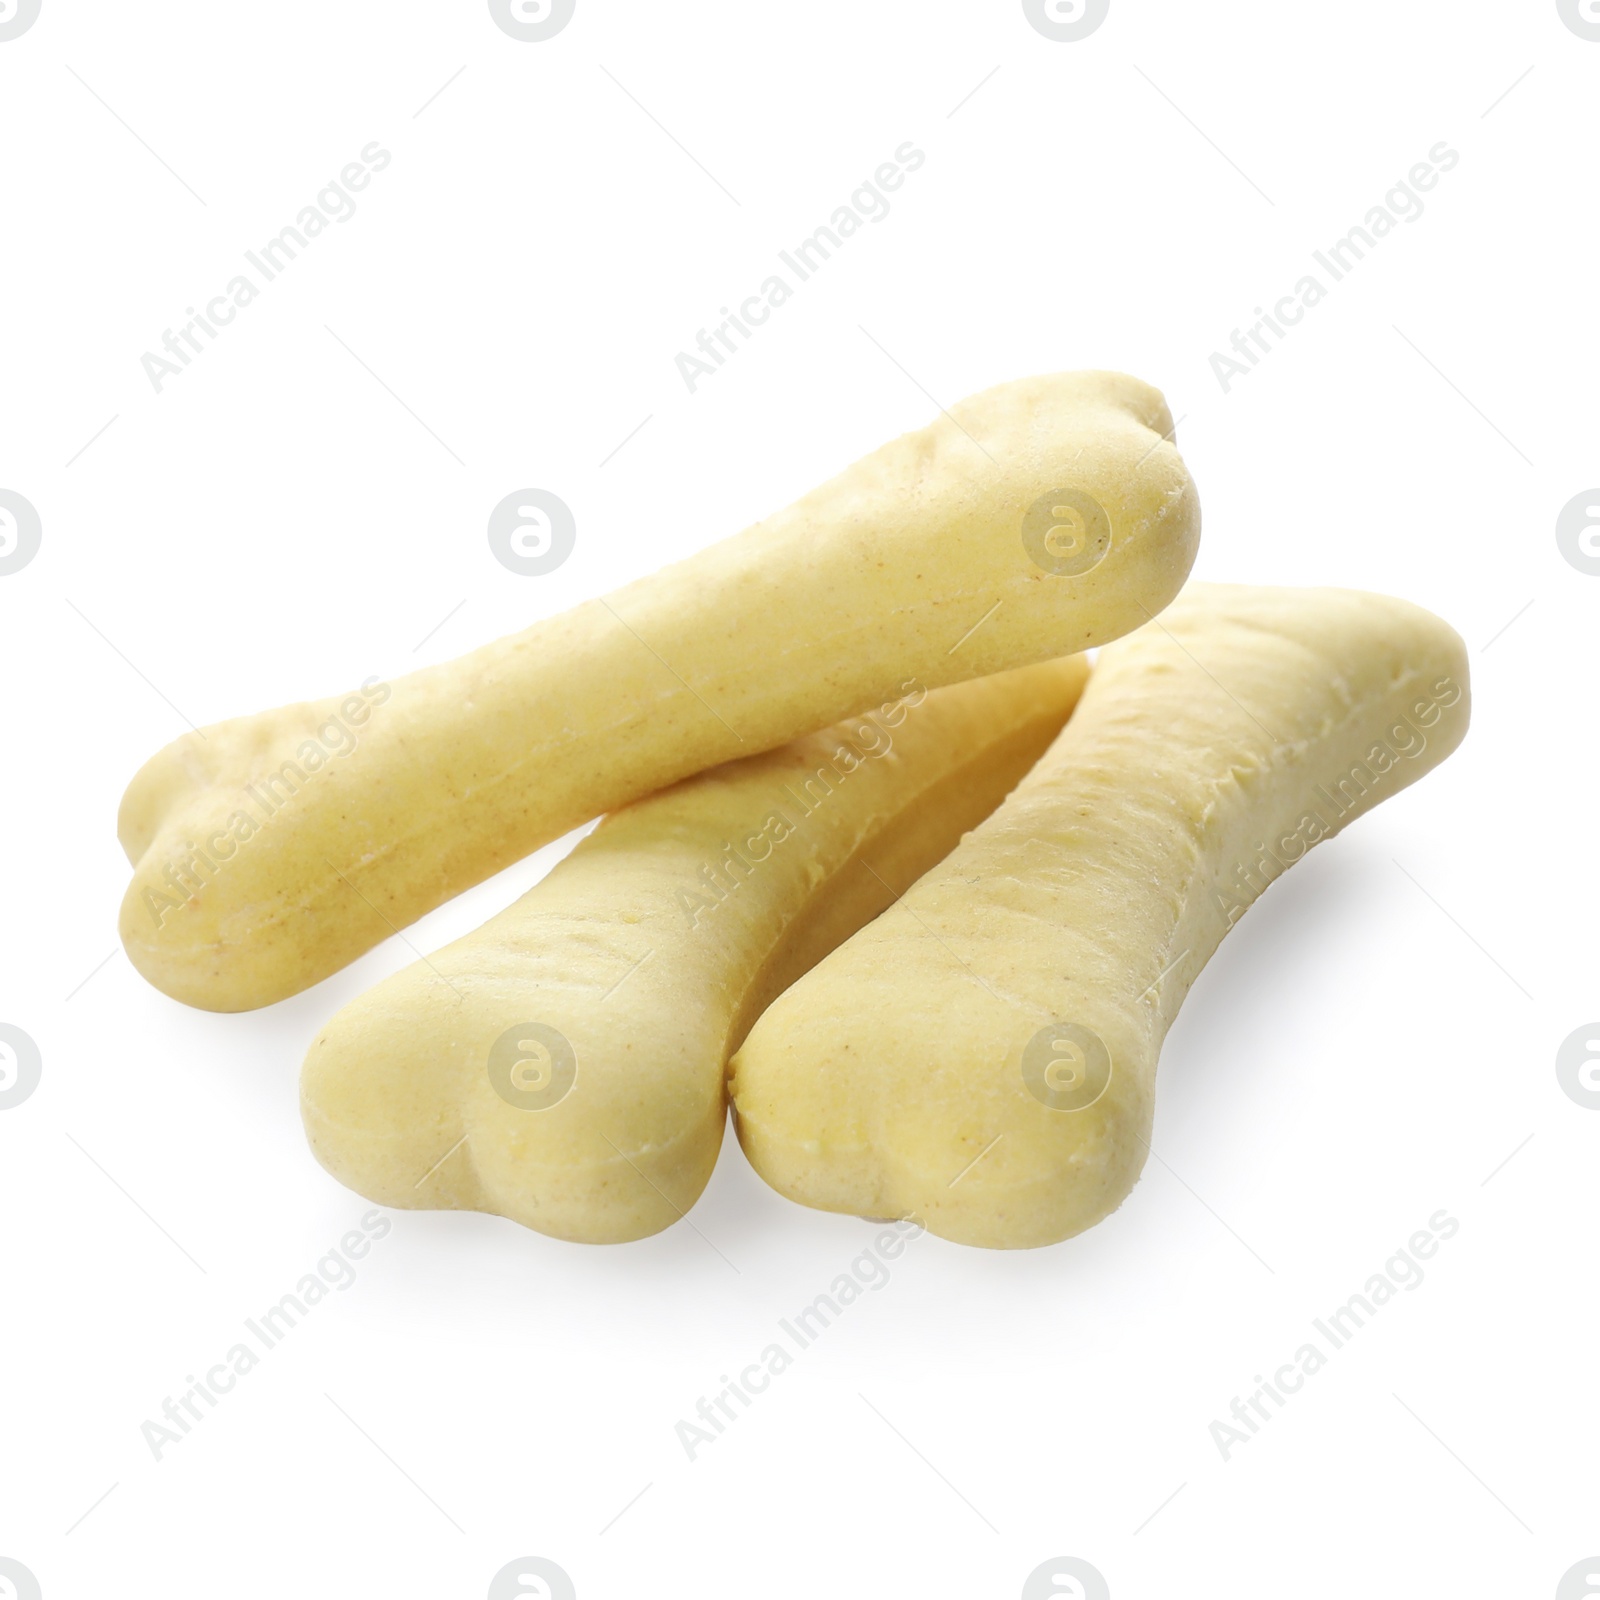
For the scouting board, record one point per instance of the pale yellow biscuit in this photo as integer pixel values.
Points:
(564, 1064)
(983, 1055)
(1031, 521)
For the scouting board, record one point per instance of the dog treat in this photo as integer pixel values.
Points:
(1032, 521)
(564, 1065)
(982, 1056)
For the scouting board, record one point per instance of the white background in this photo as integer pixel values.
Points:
(308, 501)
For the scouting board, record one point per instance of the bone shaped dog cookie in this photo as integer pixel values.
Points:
(564, 1065)
(983, 1055)
(1031, 521)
